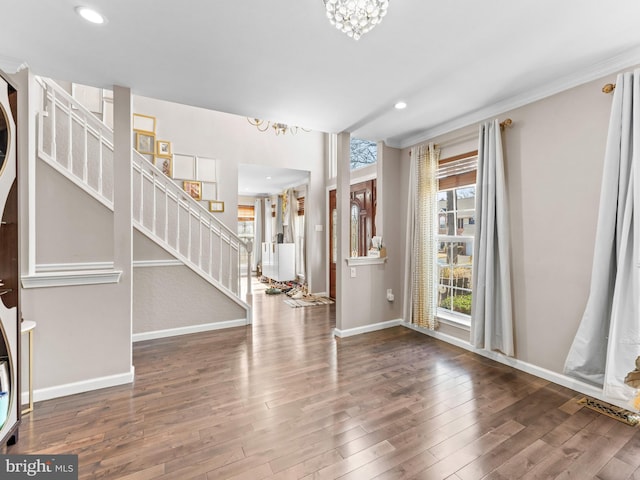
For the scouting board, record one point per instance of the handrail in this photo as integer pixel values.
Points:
(85, 156)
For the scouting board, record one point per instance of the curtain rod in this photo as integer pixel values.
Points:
(608, 88)
(454, 141)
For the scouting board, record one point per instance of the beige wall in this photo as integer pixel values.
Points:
(171, 297)
(554, 158)
(63, 233)
(364, 298)
(79, 339)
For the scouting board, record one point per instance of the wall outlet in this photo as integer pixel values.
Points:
(353, 272)
(390, 296)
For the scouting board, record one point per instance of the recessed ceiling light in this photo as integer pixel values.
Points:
(268, 178)
(400, 105)
(90, 15)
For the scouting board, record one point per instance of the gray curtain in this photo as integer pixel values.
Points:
(491, 309)
(268, 221)
(257, 232)
(608, 339)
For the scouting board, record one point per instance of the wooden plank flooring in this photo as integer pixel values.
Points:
(284, 399)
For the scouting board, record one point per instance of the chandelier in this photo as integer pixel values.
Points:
(279, 128)
(355, 17)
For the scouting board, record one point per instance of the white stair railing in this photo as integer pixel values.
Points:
(78, 145)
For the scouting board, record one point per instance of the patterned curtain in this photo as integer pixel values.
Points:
(420, 303)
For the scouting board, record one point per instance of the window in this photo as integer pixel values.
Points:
(246, 216)
(456, 230)
(363, 153)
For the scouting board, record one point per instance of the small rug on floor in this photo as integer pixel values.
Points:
(308, 301)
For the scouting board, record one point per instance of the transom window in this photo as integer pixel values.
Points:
(363, 153)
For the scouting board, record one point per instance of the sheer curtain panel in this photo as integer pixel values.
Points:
(419, 283)
(491, 308)
(607, 342)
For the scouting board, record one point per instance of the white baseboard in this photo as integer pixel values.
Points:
(79, 387)
(173, 332)
(540, 372)
(373, 327)
(320, 294)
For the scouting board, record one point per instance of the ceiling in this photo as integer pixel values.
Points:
(454, 62)
(260, 180)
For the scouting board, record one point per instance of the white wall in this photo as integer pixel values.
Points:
(233, 141)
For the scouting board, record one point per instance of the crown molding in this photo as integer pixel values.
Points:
(598, 70)
(11, 65)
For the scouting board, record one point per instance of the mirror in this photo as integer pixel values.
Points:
(4, 137)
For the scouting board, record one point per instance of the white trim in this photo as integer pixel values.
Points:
(355, 261)
(71, 278)
(373, 327)
(540, 372)
(157, 263)
(73, 267)
(79, 387)
(174, 332)
(11, 65)
(450, 318)
(320, 294)
(609, 66)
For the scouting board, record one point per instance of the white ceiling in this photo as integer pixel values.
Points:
(260, 180)
(453, 62)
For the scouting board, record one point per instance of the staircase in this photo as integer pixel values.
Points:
(80, 146)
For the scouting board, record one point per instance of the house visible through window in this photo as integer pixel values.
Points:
(456, 229)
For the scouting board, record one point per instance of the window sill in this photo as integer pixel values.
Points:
(355, 261)
(459, 321)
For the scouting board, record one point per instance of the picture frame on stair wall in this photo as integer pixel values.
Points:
(163, 148)
(216, 206)
(165, 164)
(145, 143)
(193, 188)
(144, 123)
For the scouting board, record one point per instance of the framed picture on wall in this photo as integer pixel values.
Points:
(216, 206)
(144, 123)
(163, 148)
(184, 166)
(145, 142)
(193, 188)
(206, 169)
(209, 191)
(165, 164)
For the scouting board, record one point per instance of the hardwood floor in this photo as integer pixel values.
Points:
(284, 399)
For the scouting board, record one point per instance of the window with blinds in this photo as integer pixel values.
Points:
(457, 171)
(246, 217)
(456, 229)
(246, 213)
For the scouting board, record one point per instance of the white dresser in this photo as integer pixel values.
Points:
(279, 261)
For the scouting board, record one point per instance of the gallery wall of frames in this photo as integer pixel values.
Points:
(196, 174)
